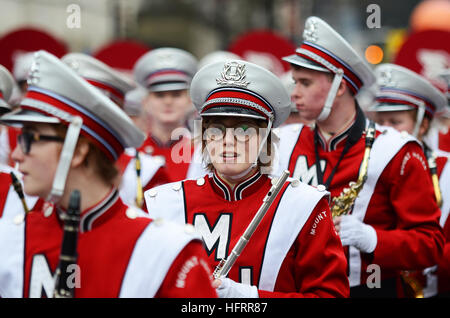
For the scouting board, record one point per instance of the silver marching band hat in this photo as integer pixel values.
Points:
(165, 69)
(56, 94)
(445, 75)
(400, 89)
(6, 88)
(240, 88)
(324, 50)
(133, 101)
(112, 83)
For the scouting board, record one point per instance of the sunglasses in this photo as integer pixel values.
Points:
(26, 139)
(241, 132)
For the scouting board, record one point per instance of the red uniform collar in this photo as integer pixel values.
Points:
(99, 213)
(241, 190)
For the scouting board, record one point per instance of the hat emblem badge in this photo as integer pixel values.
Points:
(386, 79)
(233, 74)
(310, 31)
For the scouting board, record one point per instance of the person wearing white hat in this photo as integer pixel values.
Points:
(138, 171)
(408, 102)
(71, 136)
(393, 214)
(13, 202)
(7, 134)
(294, 251)
(166, 73)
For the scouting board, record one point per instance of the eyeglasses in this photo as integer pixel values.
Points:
(26, 139)
(241, 132)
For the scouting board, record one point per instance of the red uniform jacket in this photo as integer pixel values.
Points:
(294, 252)
(122, 253)
(397, 198)
(177, 155)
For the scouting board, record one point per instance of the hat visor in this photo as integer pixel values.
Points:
(174, 86)
(4, 107)
(234, 111)
(388, 107)
(20, 116)
(300, 61)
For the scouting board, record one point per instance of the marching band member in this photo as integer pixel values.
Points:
(139, 171)
(394, 223)
(294, 251)
(70, 138)
(13, 202)
(408, 102)
(166, 73)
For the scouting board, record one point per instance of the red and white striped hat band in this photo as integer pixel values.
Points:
(167, 76)
(96, 130)
(330, 61)
(238, 97)
(115, 94)
(405, 97)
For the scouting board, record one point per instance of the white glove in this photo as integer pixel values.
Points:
(230, 289)
(356, 233)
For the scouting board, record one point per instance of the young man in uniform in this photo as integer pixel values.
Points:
(71, 136)
(408, 102)
(166, 73)
(394, 222)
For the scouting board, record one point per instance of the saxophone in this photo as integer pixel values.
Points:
(343, 203)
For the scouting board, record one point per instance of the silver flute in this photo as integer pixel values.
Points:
(224, 266)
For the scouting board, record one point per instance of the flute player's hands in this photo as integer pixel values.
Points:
(227, 288)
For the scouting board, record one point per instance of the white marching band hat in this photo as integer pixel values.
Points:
(57, 95)
(6, 88)
(240, 88)
(112, 83)
(402, 89)
(165, 69)
(324, 50)
(445, 75)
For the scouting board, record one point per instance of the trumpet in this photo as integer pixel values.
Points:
(343, 203)
(224, 266)
(68, 255)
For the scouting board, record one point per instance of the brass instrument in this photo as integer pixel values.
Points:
(18, 188)
(140, 193)
(344, 202)
(224, 266)
(68, 255)
(434, 176)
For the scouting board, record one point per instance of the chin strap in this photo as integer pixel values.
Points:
(65, 159)
(419, 119)
(331, 95)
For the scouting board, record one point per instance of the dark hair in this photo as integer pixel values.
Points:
(95, 158)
